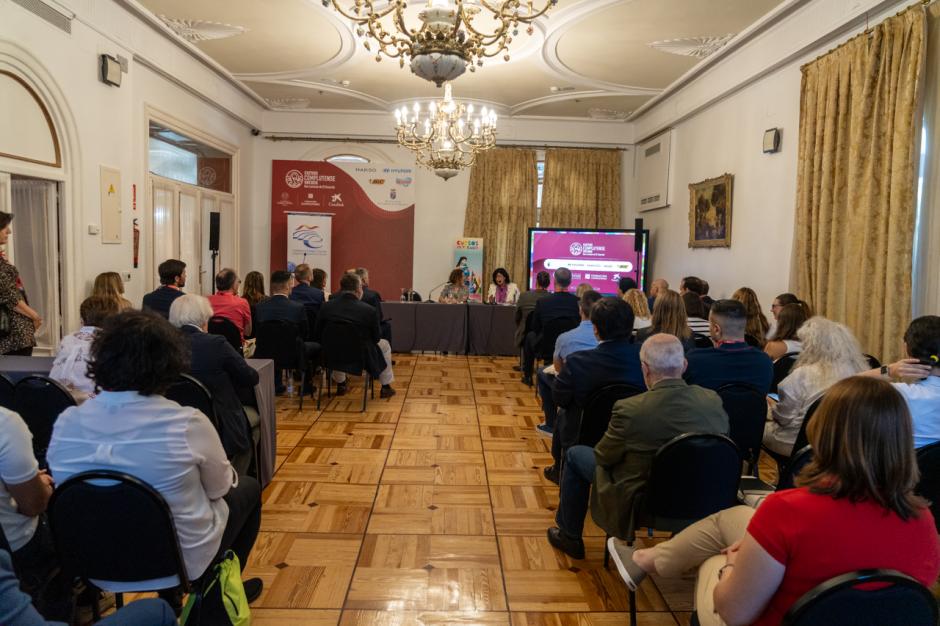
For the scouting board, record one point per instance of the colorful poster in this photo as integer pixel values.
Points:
(373, 216)
(309, 239)
(468, 256)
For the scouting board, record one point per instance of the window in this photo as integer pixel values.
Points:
(179, 158)
(347, 158)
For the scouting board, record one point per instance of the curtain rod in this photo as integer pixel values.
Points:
(544, 146)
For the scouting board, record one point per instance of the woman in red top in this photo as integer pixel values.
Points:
(855, 509)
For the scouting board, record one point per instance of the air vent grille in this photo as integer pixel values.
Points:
(652, 150)
(46, 12)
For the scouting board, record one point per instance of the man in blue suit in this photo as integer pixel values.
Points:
(303, 292)
(172, 280)
(280, 307)
(615, 360)
(559, 305)
(731, 360)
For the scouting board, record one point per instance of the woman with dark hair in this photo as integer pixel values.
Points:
(755, 564)
(130, 427)
(695, 313)
(757, 325)
(784, 339)
(23, 320)
(454, 292)
(502, 290)
(781, 301)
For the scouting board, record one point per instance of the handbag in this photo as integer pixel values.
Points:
(221, 599)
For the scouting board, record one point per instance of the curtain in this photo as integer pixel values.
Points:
(501, 207)
(581, 189)
(859, 124)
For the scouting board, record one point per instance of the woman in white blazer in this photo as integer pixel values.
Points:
(502, 290)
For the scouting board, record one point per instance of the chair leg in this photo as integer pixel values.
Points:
(303, 379)
(365, 393)
(606, 552)
(632, 607)
(371, 387)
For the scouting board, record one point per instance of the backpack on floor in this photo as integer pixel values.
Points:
(220, 600)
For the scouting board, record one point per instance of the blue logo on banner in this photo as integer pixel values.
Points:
(308, 235)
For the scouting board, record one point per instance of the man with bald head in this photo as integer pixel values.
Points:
(620, 463)
(657, 287)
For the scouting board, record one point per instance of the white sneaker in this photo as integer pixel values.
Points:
(622, 555)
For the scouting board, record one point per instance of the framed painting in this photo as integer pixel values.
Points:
(710, 212)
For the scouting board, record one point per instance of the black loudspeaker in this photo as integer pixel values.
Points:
(638, 234)
(214, 231)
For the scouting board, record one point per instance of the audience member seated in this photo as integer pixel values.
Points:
(223, 371)
(581, 337)
(641, 312)
(668, 317)
(560, 304)
(781, 301)
(692, 283)
(581, 289)
(757, 325)
(130, 427)
(731, 360)
(784, 340)
(502, 290)
(917, 378)
(281, 308)
(227, 303)
(615, 360)
(830, 353)
(110, 286)
(625, 284)
(348, 307)
(526, 305)
(455, 291)
(855, 509)
(707, 301)
(695, 313)
(172, 274)
(70, 366)
(305, 293)
(253, 293)
(657, 287)
(374, 299)
(620, 463)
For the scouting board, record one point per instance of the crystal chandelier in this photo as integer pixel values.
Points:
(447, 40)
(445, 135)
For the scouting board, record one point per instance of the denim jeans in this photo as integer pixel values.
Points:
(575, 493)
(545, 391)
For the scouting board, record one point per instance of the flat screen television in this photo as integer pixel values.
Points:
(595, 256)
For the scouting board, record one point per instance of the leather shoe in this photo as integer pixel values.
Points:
(341, 389)
(551, 473)
(572, 547)
(517, 368)
(526, 380)
(386, 391)
(253, 587)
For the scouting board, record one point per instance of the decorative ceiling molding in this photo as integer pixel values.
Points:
(697, 47)
(195, 31)
(610, 115)
(289, 103)
(558, 97)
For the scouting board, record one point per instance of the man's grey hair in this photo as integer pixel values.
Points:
(664, 356)
(190, 309)
(563, 277)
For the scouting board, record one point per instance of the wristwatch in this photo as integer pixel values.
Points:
(884, 371)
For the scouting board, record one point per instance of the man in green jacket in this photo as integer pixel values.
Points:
(620, 464)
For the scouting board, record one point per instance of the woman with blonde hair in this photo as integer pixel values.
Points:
(109, 285)
(641, 310)
(668, 317)
(757, 325)
(830, 353)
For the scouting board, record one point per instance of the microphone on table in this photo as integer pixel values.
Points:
(430, 299)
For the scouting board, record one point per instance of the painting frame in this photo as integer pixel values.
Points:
(715, 196)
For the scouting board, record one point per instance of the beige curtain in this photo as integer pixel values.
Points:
(501, 207)
(581, 189)
(859, 124)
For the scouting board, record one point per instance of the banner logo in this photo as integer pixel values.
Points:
(404, 182)
(294, 179)
(377, 181)
(285, 199)
(336, 199)
(309, 236)
(575, 249)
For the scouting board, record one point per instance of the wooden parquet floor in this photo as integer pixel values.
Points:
(430, 509)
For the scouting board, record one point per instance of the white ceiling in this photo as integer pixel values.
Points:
(595, 53)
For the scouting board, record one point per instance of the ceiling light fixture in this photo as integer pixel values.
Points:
(447, 40)
(445, 135)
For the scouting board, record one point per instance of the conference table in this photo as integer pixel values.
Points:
(17, 367)
(472, 328)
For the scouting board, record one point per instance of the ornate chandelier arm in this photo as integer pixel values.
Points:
(356, 16)
(387, 40)
(508, 10)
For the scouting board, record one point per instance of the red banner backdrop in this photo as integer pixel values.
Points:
(373, 217)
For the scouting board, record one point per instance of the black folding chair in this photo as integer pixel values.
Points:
(111, 526)
(928, 460)
(545, 348)
(223, 326)
(281, 342)
(702, 341)
(782, 367)
(691, 477)
(746, 407)
(7, 400)
(312, 310)
(189, 391)
(344, 350)
(754, 486)
(595, 416)
(39, 400)
(852, 600)
(801, 439)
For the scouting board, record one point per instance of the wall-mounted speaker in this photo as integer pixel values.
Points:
(214, 231)
(110, 70)
(771, 140)
(638, 234)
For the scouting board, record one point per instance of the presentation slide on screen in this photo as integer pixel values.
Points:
(597, 257)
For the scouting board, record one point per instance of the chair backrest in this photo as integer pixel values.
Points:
(873, 362)
(189, 391)
(223, 326)
(898, 601)
(595, 416)
(112, 526)
(928, 460)
(312, 310)
(692, 476)
(342, 347)
(39, 400)
(280, 341)
(702, 341)
(793, 468)
(801, 440)
(746, 407)
(550, 331)
(782, 367)
(7, 400)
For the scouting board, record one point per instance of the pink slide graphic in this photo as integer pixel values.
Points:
(597, 257)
